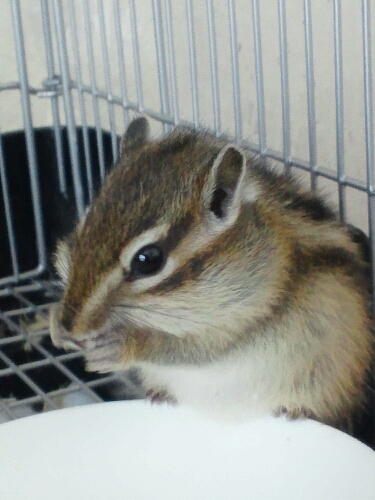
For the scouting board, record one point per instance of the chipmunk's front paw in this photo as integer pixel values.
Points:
(159, 397)
(294, 413)
(103, 353)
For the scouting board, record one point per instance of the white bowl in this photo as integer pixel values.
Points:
(135, 451)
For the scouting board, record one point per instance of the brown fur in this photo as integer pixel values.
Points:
(256, 263)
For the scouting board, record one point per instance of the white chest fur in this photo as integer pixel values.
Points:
(248, 383)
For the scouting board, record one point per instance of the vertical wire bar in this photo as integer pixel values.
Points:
(162, 66)
(68, 106)
(8, 214)
(81, 102)
(214, 67)
(172, 62)
(193, 62)
(259, 78)
(137, 63)
(28, 381)
(121, 61)
(29, 133)
(285, 103)
(107, 79)
(369, 129)
(94, 89)
(54, 99)
(235, 71)
(339, 107)
(369, 124)
(310, 82)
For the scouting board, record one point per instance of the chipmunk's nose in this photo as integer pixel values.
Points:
(59, 335)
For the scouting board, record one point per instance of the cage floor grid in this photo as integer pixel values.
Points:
(35, 376)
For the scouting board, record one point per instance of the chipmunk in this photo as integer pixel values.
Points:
(227, 286)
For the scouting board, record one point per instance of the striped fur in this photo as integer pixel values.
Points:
(261, 304)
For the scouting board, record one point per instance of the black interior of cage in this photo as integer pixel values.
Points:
(59, 211)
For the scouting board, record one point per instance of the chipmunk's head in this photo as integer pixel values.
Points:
(162, 245)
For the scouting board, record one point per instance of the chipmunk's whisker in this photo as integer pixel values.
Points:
(162, 313)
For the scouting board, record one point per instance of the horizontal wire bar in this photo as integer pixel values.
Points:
(71, 389)
(34, 286)
(266, 152)
(32, 385)
(27, 310)
(54, 361)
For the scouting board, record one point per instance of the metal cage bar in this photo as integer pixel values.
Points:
(137, 62)
(121, 61)
(54, 98)
(259, 77)
(214, 68)
(68, 104)
(94, 91)
(284, 83)
(81, 103)
(161, 60)
(339, 107)
(369, 129)
(310, 91)
(235, 71)
(29, 133)
(8, 214)
(192, 62)
(172, 62)
(107, 77)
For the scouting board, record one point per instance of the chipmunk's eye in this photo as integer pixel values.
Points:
(148, 260)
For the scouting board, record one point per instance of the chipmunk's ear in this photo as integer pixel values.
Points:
(226, 187)
(135, 136)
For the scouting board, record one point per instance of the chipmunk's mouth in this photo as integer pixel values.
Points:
(61, 338)
(86, 342)
(90, 340)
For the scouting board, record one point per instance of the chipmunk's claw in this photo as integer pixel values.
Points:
(159, 397)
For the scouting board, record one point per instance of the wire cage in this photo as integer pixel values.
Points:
(292, 81)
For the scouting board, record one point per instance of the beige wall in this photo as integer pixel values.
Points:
(322, 15)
